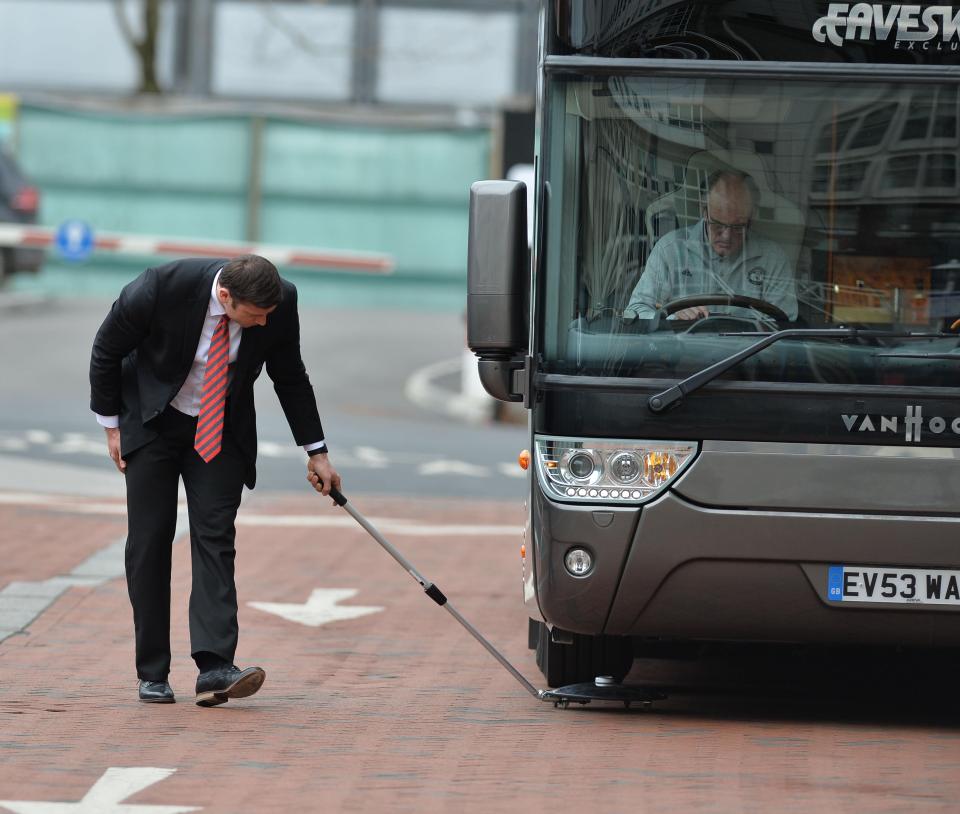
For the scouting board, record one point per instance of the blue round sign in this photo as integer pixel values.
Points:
(74, 240)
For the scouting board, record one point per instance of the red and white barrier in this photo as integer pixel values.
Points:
(42, 237)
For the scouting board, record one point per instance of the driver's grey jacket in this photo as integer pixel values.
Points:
(683, 263)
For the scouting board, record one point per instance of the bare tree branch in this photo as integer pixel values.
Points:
(120, 12)
(296, 37)
(145, 48)
(148, 47)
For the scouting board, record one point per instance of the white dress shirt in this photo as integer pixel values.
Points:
(188, 398)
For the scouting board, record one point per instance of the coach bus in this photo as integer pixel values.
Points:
(736, 327)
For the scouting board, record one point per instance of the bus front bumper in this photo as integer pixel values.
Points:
(677, 570)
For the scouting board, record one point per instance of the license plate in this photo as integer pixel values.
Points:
(898, 586)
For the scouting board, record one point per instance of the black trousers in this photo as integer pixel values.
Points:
(213, 492)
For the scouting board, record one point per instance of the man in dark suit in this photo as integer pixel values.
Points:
(171, 377)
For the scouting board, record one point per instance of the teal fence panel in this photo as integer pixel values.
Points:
(369, 163)
(396, 191)
(143, 174)
(400, 191)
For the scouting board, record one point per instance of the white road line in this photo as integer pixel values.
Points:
(39, 436)
(374, 458)
(422, 391)
(444, 467)
(388, 525)
(511, 470)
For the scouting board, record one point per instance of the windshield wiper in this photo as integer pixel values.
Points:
(671, 397)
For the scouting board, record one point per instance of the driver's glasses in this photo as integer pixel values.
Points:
(717, 227)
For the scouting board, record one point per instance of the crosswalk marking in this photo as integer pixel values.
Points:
(442, 467)
(358, 457)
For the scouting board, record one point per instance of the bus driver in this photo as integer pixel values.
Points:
(716, 255)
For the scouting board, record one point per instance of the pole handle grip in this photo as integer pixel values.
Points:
(335, 494)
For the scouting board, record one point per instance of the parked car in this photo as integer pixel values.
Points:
(19, 203)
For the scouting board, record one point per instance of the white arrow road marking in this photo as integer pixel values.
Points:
(106, 796)
(320, 608)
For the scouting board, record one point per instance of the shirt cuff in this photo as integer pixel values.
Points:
(111, 422)
(315, 448)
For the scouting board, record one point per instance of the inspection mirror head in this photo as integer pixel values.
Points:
(587, 692)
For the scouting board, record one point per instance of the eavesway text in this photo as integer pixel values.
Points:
(915, 26)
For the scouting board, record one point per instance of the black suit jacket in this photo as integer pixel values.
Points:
(146, 346)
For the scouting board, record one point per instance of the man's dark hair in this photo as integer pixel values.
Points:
(252, 279)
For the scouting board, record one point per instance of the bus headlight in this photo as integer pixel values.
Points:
(581, 466)
(626, 467)
(608, 471)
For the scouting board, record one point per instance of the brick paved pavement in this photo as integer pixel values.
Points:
(401, 710)
(39, 543)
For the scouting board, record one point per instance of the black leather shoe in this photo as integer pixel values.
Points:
(155, 692)
(220, 685)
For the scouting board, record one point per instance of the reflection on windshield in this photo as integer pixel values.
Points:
(684, 209)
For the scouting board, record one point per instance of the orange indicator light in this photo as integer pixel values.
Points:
(524, 460)
(659, 467)
(523, 552)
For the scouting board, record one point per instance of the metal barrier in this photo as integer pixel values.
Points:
(42, 237)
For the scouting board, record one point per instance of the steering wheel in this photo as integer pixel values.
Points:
(737, 300)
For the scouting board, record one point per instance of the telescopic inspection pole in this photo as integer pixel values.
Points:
(579, 693)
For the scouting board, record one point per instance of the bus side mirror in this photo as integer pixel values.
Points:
(498, 276)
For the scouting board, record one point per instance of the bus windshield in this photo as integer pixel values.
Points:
(684, 213)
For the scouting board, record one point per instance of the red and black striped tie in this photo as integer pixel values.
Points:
(210, 421)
